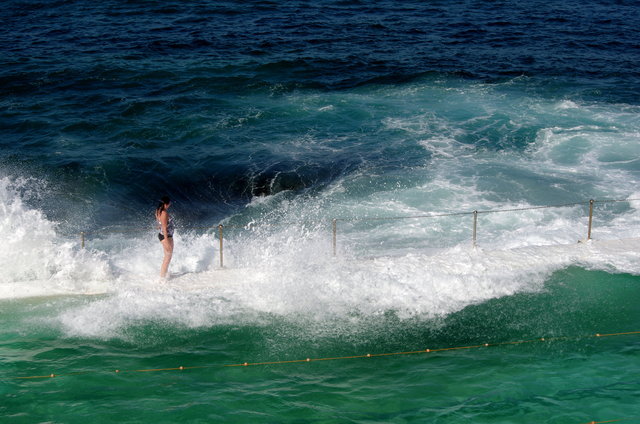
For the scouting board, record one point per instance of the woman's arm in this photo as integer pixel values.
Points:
(164, 220)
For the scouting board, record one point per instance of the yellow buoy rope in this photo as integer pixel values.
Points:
(368, 355)
(335, 358)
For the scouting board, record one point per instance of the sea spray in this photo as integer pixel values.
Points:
(304, 283)
(35, 259)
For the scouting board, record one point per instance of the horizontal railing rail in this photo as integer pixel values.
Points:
(219, 229)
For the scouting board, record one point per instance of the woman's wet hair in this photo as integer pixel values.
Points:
(164, 201)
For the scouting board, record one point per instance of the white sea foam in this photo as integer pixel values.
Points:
(290, 271)
(322, 288)
(34, 259)
(283, 264)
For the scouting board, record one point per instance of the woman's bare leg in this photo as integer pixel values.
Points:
(167, 245)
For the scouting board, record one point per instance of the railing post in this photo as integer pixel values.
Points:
(220, 237)
(475, 226)
(591, 202)
(334, 224)
(82, 239)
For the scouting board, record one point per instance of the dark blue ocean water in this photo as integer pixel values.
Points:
(118, 102)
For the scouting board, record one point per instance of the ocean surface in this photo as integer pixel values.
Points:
(344, 147)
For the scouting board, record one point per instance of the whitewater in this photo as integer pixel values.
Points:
(386, 178)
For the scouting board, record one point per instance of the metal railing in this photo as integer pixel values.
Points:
(474, 214)
(220, 228)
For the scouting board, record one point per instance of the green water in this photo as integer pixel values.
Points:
(573, 380)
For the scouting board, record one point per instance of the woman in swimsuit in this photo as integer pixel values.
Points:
(165, 224)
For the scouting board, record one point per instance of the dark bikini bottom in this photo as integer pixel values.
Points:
(161, 237)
